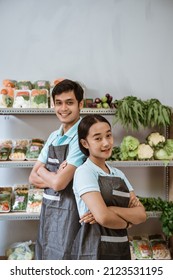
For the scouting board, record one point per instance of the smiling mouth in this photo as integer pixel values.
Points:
(106, 151)
(64, 114)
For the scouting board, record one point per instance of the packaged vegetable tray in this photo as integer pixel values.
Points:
(159, 248)
(35, 196)
(9, 83)
(19, 149)
(5, 199)
(142, 249)
(21, 251)
(20, 197)
(34, 149)
(5, 149)
(41, 84)
(6, 97)
(22, 99)
(24, 85)
(39, 98)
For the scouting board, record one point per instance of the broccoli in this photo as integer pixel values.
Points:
(145, 152)
(156, 140)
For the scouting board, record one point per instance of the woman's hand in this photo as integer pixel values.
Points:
(62, 165)
(88, 218)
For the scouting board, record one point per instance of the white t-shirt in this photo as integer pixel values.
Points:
(86, 180)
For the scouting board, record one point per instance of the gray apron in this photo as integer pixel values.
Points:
(94, 242)
(59, 219)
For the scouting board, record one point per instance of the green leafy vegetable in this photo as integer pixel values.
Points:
(41, 98)
(129, 148)
(166, 207)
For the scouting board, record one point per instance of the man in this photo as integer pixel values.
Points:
(59, 219)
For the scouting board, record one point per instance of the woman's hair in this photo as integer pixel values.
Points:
(84, 126)
(66, 86)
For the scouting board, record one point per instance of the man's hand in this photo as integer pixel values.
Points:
(134, 201)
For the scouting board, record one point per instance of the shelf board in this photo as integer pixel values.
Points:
(15, 216)
(17, 164)
(142, 163)
(50, 111)
(147, 163)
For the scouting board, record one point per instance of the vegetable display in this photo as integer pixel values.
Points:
(156, 147)
(156, 140)
(5, 149)
(24, 85)
(134, 113)
(149, 247)
(5, 199)
(20, 251)
(41, 84)
(129, 148)
(39, 98)
(34, 149)
(22, 99)
(166, 207)
(20, 198)
(6, 97)
(144, 152)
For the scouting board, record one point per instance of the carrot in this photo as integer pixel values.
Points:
(22, 93)
(4, 91)
(10, 92)
(9, 83)
(57, 81)
(35, 92)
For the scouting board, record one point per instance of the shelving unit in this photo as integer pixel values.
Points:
(23, 216)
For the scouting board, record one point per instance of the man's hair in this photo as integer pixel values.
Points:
(84, 126)
(66, 86)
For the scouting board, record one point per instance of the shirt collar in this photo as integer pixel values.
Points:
(71, 132)
(99, 170)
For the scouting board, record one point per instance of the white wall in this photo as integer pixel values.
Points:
(118, 46)
(124, 47)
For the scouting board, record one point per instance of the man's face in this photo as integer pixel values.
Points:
(67, 108)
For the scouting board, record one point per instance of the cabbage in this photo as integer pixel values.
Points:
(169, 146)
(166, 153)
(129, 148)
(163, 155)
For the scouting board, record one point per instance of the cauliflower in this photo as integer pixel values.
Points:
(145, 152)
(155, 139)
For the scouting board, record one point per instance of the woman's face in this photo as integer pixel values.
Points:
(99, 141)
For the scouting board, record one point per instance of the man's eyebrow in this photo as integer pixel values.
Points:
(69, 99)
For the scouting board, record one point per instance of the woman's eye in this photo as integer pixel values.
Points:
(109, 135)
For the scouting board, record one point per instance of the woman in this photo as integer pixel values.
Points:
(106, 193)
